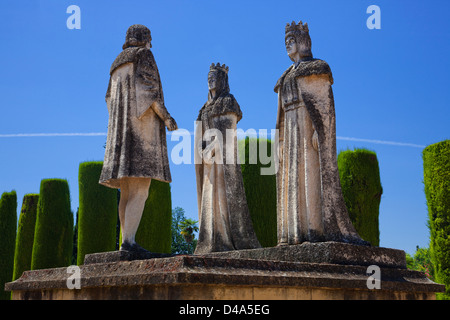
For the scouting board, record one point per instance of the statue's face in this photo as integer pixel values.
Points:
(291, 47)
(212, 81)
(148, 45)
(297, 49)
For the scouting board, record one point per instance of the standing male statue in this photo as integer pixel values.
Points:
(310, 204)
(136, 149)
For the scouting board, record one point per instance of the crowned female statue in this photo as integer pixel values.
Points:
(310, 204)
(224, 219)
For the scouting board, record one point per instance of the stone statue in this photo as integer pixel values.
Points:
(224, 219)
(136, 149)
(310, 204)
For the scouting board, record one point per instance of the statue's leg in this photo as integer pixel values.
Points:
(123, 203)
(137, 195)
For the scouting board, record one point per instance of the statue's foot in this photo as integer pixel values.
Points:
(138, 249)
(133, 247)
(126, 246)
(355, 240)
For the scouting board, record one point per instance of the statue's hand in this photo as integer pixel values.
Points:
(209, 152)
(171, 124)
(315, 141)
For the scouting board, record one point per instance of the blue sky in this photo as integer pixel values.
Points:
(390, 84)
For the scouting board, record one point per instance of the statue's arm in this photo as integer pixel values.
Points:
(149, 81)
(280, 125)
(108, 95)
(317, 94)
(108, 91)
(164, 115)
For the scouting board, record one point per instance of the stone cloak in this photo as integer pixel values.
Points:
(136, 143)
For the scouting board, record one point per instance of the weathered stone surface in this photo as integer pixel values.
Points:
(122, 255)
(207, 277)
(324, 252)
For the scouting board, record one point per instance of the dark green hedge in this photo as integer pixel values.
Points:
(52, 246)
(155, 229)
(361, 186)
(97, 215)
(436, 165)
(25, 235)
(8, 227)
(261, 193)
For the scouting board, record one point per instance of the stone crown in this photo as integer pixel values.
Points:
(293, 27)
(217, 66)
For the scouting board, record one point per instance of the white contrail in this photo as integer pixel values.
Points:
(392, 143)
(96, 134)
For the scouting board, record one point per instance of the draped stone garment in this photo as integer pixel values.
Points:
(305, 104)
(224, 219)
(136, 142)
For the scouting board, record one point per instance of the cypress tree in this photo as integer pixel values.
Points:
(361, 186)
(53, 236)
(97, 215)
(436, 165)
(8, 228)
(25, 235)
(260, 190)
(155, 229)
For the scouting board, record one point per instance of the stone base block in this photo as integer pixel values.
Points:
(324, 252)
(219, 278)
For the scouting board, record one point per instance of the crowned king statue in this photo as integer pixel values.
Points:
(310, 204)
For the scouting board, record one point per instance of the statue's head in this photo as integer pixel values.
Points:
(298, 41)
(138, 36)
(218, 79)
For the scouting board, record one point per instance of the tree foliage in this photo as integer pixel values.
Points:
(25, 235)
(436, 165)
(421, 261)
(8, 223)
(361, 187)
(97, 215)
(52, 246)
(260, 189)
(179, 243)
(154, 229)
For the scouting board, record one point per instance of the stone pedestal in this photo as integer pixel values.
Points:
(238, 275)
(324, 252)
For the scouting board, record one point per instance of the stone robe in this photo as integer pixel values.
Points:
(136, 142)
(310, 205)
(224, 219)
